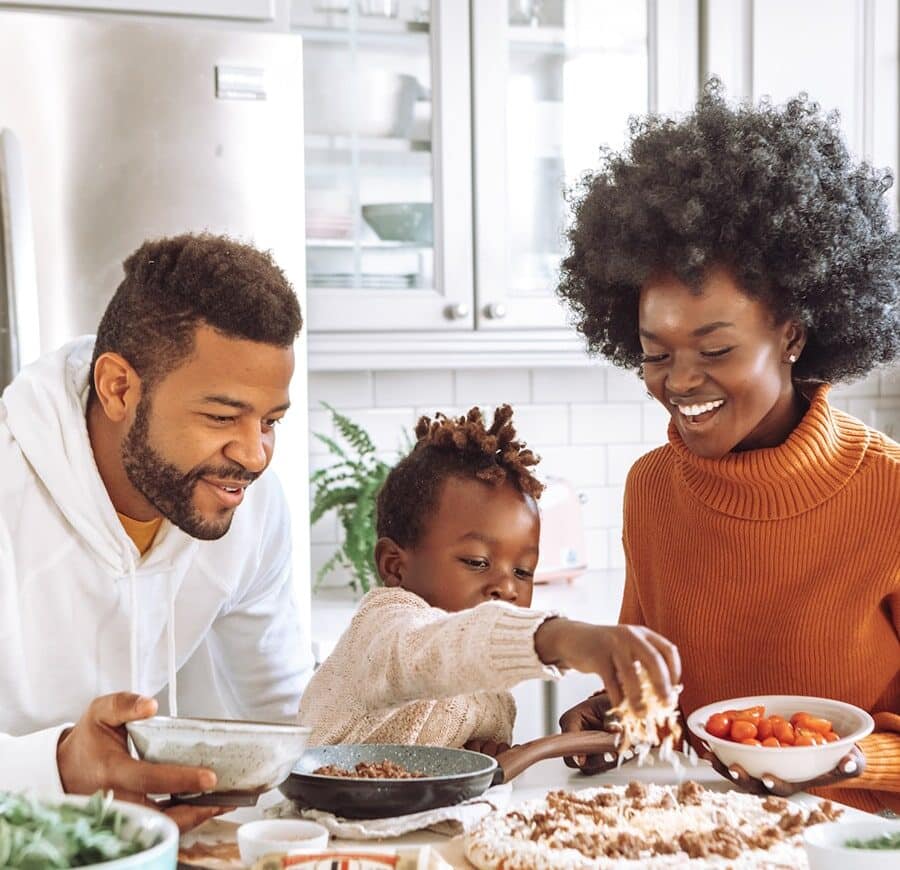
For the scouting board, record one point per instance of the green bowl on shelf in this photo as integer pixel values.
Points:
(400, 221)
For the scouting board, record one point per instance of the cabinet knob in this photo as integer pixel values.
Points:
(495, 311)
(457, 311)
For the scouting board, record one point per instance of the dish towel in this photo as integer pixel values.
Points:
(450, 820)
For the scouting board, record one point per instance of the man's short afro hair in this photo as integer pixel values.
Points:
(770, 193)
(173, 285)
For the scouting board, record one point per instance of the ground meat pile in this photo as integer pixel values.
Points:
(639, 822)
(370, 770)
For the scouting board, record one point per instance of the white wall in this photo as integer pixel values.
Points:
(588, 424)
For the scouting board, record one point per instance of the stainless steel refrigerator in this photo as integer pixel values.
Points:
(113, 131)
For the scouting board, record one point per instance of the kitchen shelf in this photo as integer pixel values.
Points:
(374, 244)
(412, 37)
(557, 40)
(389, 145)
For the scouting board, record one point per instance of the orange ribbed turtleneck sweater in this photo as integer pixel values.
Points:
(777, 571)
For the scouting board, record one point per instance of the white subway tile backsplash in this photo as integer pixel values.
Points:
(342, 390)
(890, 382)
(433, 389)
(583, 466)
(385, 427)
(542, 426)
(586, 384)
(589, 425)
(620, 457)
(492, 386)
(656, 422)
(606, 424)
(602, 507)
(868, 386)
(624, 386)
(597, 542)
(616, 552)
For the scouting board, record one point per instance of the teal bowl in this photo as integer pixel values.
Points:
(409, 222)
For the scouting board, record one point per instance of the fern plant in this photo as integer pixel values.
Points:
(350, 486)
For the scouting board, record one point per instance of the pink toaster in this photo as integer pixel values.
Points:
(563, 552)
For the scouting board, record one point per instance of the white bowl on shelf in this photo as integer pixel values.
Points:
(790, 763)
(287, 836)
(826, 845)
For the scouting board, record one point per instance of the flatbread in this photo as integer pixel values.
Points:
(646, 826)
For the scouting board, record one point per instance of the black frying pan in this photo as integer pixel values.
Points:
(451, 775)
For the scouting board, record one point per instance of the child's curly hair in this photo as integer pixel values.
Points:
(448, 447)
(769, 192)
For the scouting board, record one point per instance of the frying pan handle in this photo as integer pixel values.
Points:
(518, 759)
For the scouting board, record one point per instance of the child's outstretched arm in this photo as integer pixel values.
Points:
(402, 650)
(613, 652)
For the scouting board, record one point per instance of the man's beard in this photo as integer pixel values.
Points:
(168, 489)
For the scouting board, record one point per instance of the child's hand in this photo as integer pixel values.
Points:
(487, 747)
(611, 652)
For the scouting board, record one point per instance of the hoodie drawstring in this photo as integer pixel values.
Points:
(170, 635)
(133, 639)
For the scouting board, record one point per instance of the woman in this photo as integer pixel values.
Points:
(743, 262)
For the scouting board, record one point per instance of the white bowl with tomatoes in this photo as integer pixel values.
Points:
(793, 737)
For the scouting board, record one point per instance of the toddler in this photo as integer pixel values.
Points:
(429, 658)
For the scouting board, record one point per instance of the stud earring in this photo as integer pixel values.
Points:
(792, 358)
(649, 394)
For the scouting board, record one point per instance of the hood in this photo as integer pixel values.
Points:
(45, 411)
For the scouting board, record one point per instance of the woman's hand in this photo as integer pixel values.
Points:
(612, 652)
(591, 714)
(851, 765)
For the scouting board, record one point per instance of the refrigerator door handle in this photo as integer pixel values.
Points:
(19, 325)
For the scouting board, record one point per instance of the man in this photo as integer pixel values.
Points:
(131, 489)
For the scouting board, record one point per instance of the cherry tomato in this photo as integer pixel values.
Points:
(751, 741)
(804, 740)
(784, 732)
(718, 725)
(817, 724)
(830, 737)
(771, 741)
(764, 729)
(742, 730)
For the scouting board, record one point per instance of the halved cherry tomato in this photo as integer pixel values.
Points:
(718, 725)
(742, 730)
(764, 729)
(771, 741)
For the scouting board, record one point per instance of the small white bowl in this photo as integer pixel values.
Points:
(790, 763)
(246, 756)
(826, 845)
(288, 836)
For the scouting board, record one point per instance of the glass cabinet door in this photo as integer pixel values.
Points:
(554, 82)
(387, 163)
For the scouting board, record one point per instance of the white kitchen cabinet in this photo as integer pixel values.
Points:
(251, 10)
(551, 83)
(843, 53)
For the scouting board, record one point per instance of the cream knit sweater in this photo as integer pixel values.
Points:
(406, 672)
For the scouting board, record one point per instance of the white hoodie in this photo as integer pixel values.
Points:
(67, 568)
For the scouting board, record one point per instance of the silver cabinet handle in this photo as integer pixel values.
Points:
(457, 311)
(495, 311)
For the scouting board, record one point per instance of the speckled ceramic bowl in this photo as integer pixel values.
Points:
(247, 757)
